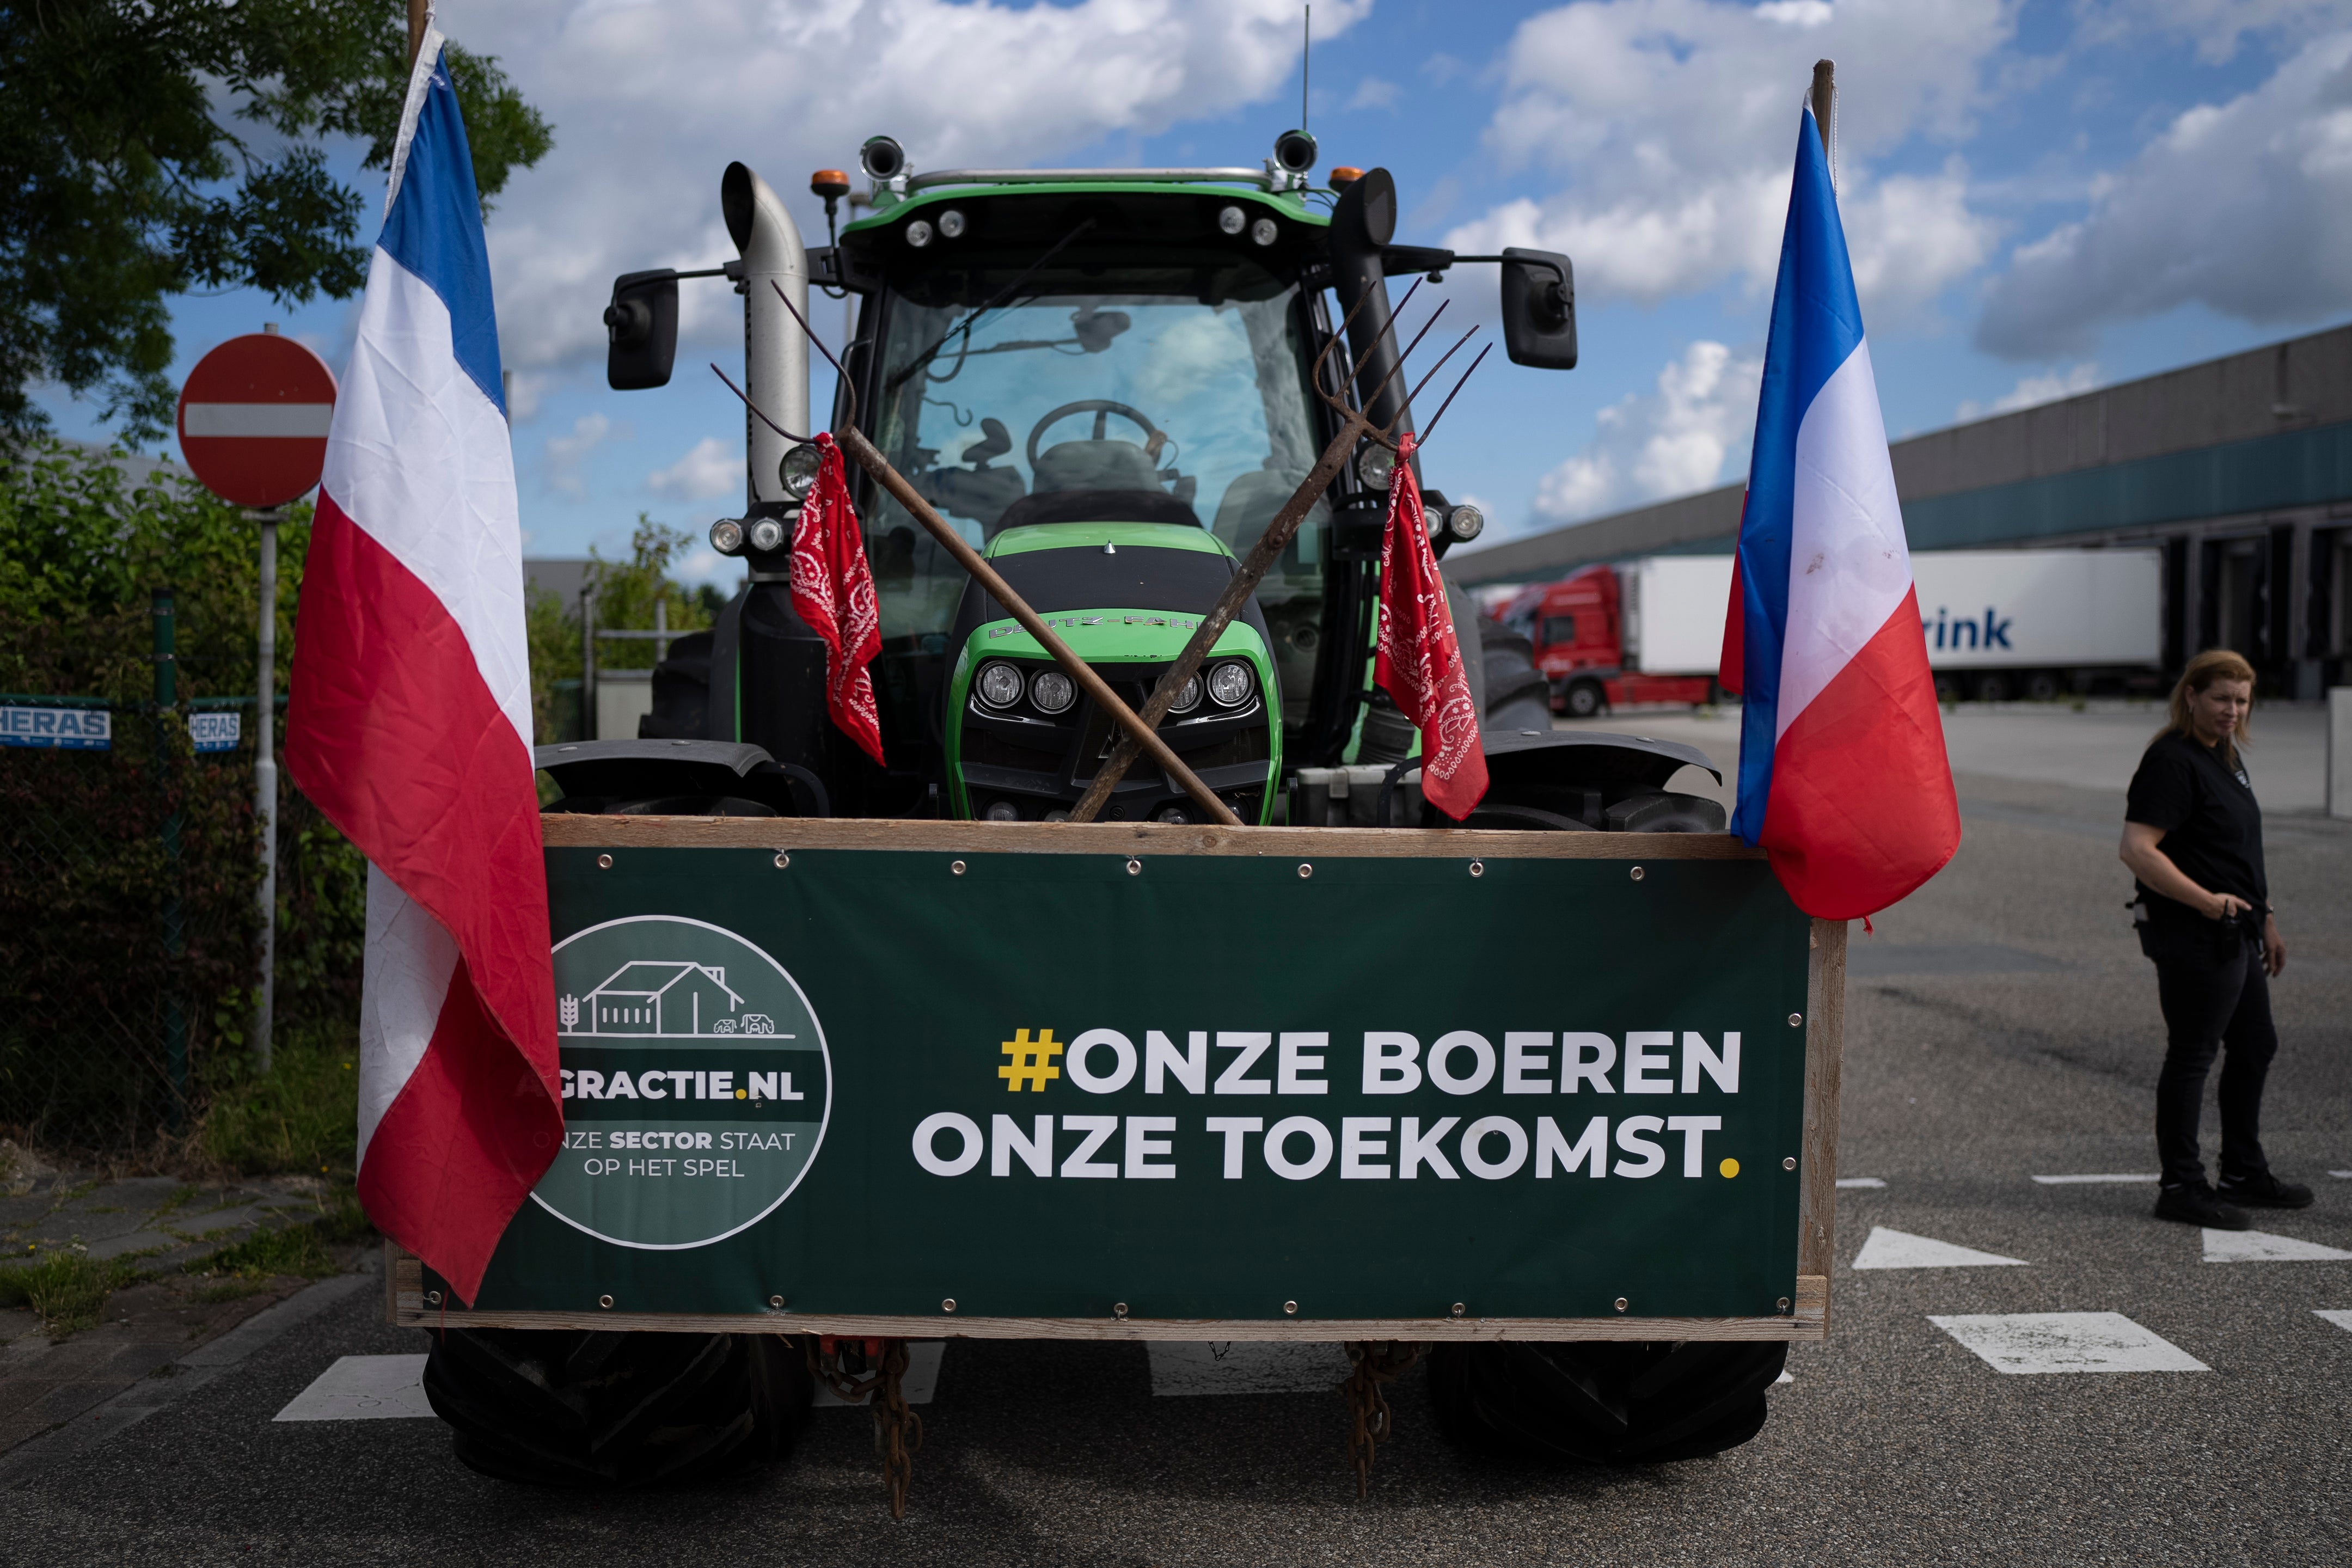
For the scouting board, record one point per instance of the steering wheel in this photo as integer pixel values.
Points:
(1102, 408)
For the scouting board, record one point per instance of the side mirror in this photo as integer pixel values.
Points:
(641, 330)
(1539, 308)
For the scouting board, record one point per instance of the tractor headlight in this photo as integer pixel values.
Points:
(727, 536)
(999, 684)
(1233, 220)
(1051, 690)
(1264, 232)
(919, 233)
(1376, 466)
(951, 225)
(767, 534)
(1466, 521)
(1001, 811)
(1188, 699)
(1231, 683)
(799, 469)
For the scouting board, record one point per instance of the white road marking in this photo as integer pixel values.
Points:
(1899, 1249)
(2098, 1181)
(1183, 1367)
(920, 1381)
(364, 1388)
(2262, 1247)
(1860, 1182)
(2340, 1319)
(2341, 1175)
(2017, 1342)
(1784, 1378)
(275, 419)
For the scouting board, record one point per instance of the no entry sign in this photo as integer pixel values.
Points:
(254, 418)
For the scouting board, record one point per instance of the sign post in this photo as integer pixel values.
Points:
(253, 425)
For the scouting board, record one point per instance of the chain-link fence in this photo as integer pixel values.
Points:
(130, 935)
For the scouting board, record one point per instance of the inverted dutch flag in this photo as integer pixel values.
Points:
(409, 721)
(1842, 773)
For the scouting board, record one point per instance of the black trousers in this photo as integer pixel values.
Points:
(2215, 994)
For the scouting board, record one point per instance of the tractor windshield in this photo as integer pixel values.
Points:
(1171, 394)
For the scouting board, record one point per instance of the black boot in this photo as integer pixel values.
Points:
(2265, 1192)
(2197, 1204)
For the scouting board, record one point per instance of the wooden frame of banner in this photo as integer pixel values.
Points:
(1808, 1319)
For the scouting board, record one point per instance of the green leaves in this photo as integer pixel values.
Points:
(155, 147)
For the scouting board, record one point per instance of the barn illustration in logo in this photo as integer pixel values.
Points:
(661, 999)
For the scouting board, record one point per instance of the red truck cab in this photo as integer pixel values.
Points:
(1577, 628)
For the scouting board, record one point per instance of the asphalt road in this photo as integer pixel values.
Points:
(2002, 1025)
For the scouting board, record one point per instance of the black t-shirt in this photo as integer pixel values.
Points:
(2212, 825)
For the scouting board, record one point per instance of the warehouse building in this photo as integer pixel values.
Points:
(2239, 469)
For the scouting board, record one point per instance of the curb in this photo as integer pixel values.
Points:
(200, 1367)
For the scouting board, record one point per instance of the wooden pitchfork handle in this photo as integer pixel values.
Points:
(854, 442)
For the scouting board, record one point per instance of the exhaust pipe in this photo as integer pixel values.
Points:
(775, 349)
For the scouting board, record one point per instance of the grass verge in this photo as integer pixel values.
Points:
(299, 1117)
(67, 1290)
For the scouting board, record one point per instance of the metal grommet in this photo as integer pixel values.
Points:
(1290, 1309)
(1477, 868)
(603, 862)
(1796, 1020)
(1459, 1308)
(782, 859)
(777, 1302)
(947, 1305)
(1637, 873)
(1135, 868)
(1119, 1309)
(1304, 869)
(1623, 1303)
(955, 868)
(606, 1302)
(433, 1297)
(1789, 1164)
(1784, 1303)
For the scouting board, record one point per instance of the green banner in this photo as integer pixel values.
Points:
(1206, 1087)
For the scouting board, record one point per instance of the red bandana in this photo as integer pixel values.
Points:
(1420, 663)
(833, 590)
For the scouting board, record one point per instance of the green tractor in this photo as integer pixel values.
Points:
(1105, 380)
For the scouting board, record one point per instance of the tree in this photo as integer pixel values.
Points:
(150, 148)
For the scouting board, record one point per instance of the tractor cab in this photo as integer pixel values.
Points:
(1105, 380)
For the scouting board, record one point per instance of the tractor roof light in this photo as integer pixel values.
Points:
(1051, 691)
(1345, 174)
(1231, 683)
(1264, 232)
(1375, 465)
(919, 233)
(798, 470)
(1465, 522)
(952, 224)
(727, 536)
(767, 534)
(999, 684)
(1233, 220)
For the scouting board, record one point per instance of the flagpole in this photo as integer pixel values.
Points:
(420, 15)
(1824, 96)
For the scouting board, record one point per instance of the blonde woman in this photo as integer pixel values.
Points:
(2193, 839)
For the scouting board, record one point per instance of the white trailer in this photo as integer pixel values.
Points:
(1999, 623)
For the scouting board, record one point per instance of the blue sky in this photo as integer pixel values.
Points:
(2040, 198)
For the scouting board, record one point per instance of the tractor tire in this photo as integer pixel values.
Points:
(572, 1409)
(1585, 699)
(1518, 695)
(1665, 811)
(1604, 1403)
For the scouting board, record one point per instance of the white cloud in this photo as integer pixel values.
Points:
(567, 455)
(712, 468)
(1670, 442)
(2217, 27)
(651, 103)
(1674, 123)
(2244, 207)
(2033, 391)
(1373, 93)
(703, 564)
